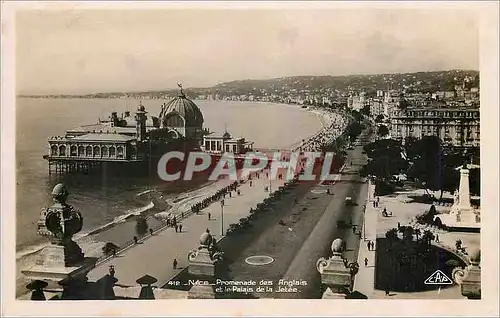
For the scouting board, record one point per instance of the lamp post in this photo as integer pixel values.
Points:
(222, 216)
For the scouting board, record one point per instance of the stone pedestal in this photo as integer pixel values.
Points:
(62, 261)
(471, 283)
(202, 267)
(336, 275)
(201, 292)
(202, 264)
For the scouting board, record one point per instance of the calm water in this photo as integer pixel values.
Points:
(101, 199)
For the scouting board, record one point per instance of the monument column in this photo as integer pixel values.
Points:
(463, 191)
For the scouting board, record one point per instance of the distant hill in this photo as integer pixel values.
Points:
(411, 82)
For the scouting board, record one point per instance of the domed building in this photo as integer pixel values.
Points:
(182, 117)
(140, 137)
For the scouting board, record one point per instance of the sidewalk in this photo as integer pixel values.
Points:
(364, 280)
(156, 255)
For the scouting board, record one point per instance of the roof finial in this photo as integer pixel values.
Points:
(225, 126)
(181, 94)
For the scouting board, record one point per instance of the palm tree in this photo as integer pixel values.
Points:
(427, 237)
(417, 233)
(408, 233)
(391, 236)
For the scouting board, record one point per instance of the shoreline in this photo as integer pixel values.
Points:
(29, 249)
(176, 202)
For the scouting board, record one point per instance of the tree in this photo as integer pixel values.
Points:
(391, 236)
(382, 131)
(365, 110)
(417, 233)
(109, 248)
(427, 162)
(427, 237)
(141, 226)
(475, 181)
(385, 159)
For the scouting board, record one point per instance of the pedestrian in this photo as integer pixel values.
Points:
(399, 225)
(366, 261)
(182, 214)
(387, 291)
(209, 216)
(369, 245)
(111, 271)
(238, 191)
(250, 182)
(374, 204)
(135, 239)
(354, 229)
(176, 228)
(437, 238)
(230, 194)
(180, 228)
(175, 263)
(151, 232)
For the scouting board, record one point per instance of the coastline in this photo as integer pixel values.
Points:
(176, 205)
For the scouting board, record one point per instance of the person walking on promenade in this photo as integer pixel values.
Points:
(180, 228)
(369, 244)
(175, 263)
(209, 216)
(111, 271)
(151, 232)
(135, 239)
(250, 182)
(366, 262)
(176, 228)
(387, 291)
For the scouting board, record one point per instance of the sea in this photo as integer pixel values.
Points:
(106, 200)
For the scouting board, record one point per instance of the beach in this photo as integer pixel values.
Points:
(151, 201)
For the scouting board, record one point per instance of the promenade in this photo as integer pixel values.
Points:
(365, 279)
(155, 255)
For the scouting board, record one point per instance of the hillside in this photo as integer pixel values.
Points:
(411, 82)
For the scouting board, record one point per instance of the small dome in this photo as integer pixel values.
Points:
(59, 192)
(141, 107)
(337, 245)
(226, 135)
(206, 238)
(475, 256)
(185, 108)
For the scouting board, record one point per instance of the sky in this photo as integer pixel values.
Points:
(88, 51)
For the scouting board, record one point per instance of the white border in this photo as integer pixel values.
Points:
(489, 35)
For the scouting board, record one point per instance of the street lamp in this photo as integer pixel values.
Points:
(222, 216)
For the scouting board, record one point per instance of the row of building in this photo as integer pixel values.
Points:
(413, 115)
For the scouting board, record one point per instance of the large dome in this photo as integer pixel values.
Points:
(186, 108)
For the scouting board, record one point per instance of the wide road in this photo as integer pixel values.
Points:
(318, 244)
(303, 235)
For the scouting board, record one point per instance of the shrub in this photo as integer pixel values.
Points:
(384, 188)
